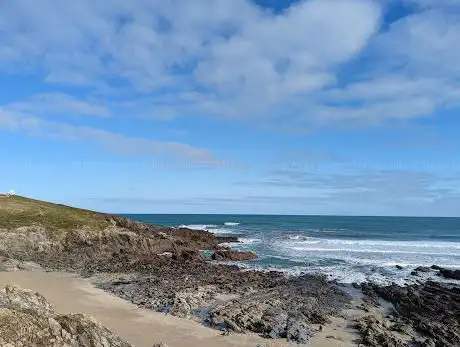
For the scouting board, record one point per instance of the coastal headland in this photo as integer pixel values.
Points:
(152, 284)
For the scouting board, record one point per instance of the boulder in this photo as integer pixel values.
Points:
(24, 300)
(27, 319)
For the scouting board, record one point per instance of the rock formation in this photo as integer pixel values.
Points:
(27, 319)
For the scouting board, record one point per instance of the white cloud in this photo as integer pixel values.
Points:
(229, 49)
(59, 104)
(242, 61)
(35, 126)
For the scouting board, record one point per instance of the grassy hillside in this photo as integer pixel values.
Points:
(19, 211)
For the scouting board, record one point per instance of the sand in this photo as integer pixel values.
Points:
(71, 294)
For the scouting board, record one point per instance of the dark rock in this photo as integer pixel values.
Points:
(283, 310)
(188, 255)
(432, 309)
(422, 269)
(399, 267)
(450, 274)
(375, 333)
(227, 239)
(298, 330)
(436, 267)
(275, 322)
(230, 255)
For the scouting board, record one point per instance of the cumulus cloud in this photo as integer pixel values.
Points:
(225, 49)
(318, 62)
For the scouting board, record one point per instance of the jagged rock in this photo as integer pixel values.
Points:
(286, 311)
(23, 300)
(27, 319)
(298, 330)
(375, 333)
(188, 255)
(275, 322)
(230, 255)
(450, 274)
(227, 239)
(185, 302)
(88, 332)
(431, 309)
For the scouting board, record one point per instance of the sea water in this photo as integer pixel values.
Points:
(348, 249)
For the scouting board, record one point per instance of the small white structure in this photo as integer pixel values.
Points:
(11, 193)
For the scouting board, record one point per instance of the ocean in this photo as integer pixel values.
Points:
(348, 249)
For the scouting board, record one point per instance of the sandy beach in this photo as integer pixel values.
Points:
(141, 327)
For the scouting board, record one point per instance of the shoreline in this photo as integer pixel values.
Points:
(162, 269)
(70, 293)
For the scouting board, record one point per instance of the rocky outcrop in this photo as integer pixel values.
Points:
(450, 274)
(158, 268)
(27, 319)
(285, 311)
(376, 333)
(231, 255)
(227, 239)
(269, 304)
(9, 265)
(431, 309)
(186, 302)
(122, 245)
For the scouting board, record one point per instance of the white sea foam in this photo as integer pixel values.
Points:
(295, 237)
(199, 226)
(249, 240)
(366, 260)
(231, 224)
(387, 245)
(221, 231)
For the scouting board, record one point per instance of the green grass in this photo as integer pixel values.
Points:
(19, 211)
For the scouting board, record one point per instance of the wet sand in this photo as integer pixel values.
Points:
(71, 294)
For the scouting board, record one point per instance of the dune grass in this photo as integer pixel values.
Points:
(18, 211)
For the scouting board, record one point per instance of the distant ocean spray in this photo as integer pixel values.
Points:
(349, 249)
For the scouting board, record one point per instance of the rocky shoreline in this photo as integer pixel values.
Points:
(177, 271)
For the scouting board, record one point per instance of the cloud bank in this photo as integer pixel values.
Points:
(236, 59)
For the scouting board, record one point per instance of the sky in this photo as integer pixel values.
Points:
(343, 107)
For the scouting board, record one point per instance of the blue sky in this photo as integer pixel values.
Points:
(242, 106)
